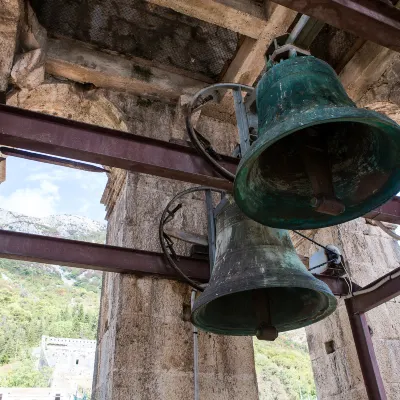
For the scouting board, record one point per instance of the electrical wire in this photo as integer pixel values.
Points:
(313, 241)
(205, 95)
(348, 280)
(393, 275)
(166, 217)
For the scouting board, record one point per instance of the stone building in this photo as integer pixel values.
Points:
(72, 361)
(131, 66)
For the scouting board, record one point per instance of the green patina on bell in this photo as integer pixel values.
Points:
(258, 285)
(318, 160)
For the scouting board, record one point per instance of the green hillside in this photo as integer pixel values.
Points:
(284, 369)
(35, 302)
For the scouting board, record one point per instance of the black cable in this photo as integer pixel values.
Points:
(313, 241)
(320, 265)
(163, 236)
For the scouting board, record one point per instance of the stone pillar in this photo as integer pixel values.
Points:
(10, 14)
(145, 346)
(370, 253)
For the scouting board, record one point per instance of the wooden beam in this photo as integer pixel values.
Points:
(364, 68)
(242, 16)
(82, 63)
(249, 60)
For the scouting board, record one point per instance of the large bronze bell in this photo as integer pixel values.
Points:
(258, 285)
(318, 160)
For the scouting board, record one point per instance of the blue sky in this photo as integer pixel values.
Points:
(39, 190)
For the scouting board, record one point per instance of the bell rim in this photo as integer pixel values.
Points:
(322, 288)
(291, 125)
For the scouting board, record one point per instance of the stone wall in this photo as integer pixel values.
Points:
(145, 345)
(369, 253)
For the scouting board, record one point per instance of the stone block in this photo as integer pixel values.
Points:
(32, 36)
(28, 70)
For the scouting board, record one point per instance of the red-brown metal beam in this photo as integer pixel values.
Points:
(366, 354)
(73, 253)
(387, 288)
(65, 138)
(388, 212)
(338, 285)
(373, 20)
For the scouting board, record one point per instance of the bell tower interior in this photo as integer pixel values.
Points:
(286, 115)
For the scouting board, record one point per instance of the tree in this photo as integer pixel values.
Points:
(24, 374)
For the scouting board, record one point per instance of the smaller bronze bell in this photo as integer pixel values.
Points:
(258, 285)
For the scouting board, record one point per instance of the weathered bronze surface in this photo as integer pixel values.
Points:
(318, 160)
(258, 283)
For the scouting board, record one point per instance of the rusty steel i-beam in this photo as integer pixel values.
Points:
(65, 138)
(73, 253)
(60, 137)
(375, 20)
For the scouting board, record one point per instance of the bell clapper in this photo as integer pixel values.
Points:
(265, 330)
(316, 162)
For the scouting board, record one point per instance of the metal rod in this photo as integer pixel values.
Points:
(210, 229)
(366, 354)
(8, 151)
(195, 353)
(301, 23)
(242, 123)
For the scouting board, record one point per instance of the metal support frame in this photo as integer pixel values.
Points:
(373, 20)
(373, 295)
(77, 254)
(65, 138)
(366, 354)
(210, 229)
(242, 123)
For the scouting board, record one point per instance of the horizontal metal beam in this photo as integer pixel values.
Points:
(389, 289)
(388, 212)
(65, 138)
(373, 20)
(338, 285)
(43, 158)
(73, 253)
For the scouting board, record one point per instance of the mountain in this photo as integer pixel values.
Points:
(65, 226)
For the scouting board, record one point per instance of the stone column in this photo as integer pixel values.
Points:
(370, 253)
(11, 11)
(145, 346)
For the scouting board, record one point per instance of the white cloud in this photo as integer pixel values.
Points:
(55, 175)
(37, 202)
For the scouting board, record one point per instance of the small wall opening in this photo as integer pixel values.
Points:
(330, 347)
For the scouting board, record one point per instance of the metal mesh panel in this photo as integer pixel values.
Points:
(138, 28)
(332, 44)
